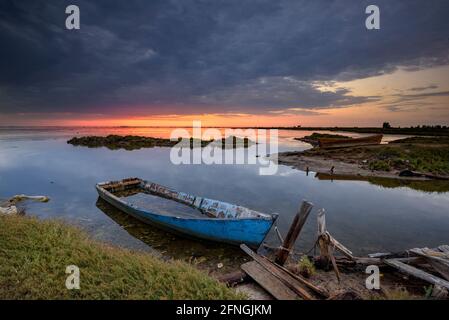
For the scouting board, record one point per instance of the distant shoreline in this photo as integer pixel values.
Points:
(444, 131)
(416, 131)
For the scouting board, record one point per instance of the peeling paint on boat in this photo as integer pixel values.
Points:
(216, 221)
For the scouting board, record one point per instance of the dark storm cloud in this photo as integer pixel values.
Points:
(416, 101)
(429, 87)
(422, 95)
(207, 56)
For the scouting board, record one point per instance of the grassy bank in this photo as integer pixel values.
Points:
(426, 155)
(34, 255)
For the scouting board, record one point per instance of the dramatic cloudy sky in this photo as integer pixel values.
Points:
(224, 61)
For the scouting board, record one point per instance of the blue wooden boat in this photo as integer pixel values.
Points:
(211, 219)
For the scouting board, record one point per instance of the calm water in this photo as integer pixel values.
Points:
(365, 217)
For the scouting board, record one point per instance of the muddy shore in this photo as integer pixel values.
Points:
(324, 165)
(428, 157)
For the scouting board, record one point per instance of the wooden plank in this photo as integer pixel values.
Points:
(293, 232)
(379, 255)
(405, 268)
(431, 253)
(344, 261)
(404, 254)
(288, 280)
(322, 293)
(270, 283)
(340, 247)
(438, 260)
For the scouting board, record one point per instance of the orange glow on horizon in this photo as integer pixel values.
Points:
(352, 116)
(361, 116)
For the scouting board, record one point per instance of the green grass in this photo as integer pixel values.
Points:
(421, 154)
(379, 165)
(418, 157)
(34, 255)
(306, 267)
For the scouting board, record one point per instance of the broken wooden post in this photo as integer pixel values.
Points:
(322, 243)
(327, 245)
(293, 233)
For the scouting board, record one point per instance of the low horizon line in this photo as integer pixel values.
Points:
(229, 127)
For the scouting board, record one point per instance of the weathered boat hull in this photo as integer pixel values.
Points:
(251, 231)
(328, 143)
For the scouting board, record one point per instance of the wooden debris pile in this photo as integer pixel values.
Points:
(277, 280)
(430, 265)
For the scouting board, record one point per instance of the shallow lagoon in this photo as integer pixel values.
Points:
(364, 216)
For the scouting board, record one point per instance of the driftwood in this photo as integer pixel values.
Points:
(21, 197)
(293, 233)
(9, 210)
(9, 206)
(292, 283)
(438, 260)
(233, 278)
(366, 261)
(417, 273)
(404, 256)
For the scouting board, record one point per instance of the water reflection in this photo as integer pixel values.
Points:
(204, 254)
(366, 216)
(439, 186)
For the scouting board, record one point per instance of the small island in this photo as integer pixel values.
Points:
(130, 142)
